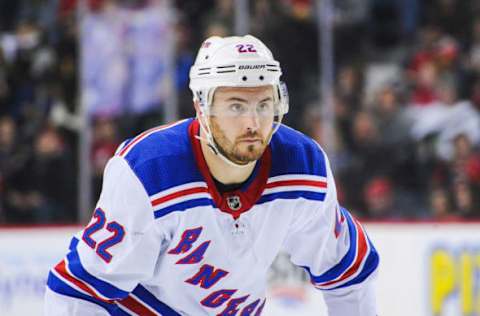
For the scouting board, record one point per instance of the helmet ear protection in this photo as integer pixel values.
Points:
(236, 61)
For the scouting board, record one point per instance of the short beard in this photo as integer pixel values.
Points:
(231, 150)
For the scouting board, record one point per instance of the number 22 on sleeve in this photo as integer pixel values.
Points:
(98, 223)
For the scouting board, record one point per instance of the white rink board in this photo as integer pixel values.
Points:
(404, 286)
(26, 255)
(405, 280)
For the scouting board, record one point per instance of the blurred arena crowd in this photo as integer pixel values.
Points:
(406, 100)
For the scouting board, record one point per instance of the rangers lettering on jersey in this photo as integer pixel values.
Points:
(208, 275)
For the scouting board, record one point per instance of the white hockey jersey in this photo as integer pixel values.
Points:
(164, 241)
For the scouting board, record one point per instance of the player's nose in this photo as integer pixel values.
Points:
(252, 121)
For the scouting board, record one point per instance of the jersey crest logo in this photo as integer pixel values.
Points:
(234, 202)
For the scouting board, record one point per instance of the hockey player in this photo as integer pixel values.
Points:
(192, 214)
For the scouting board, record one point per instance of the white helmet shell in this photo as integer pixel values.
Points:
(236, 61)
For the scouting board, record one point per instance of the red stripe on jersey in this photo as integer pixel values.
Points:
(135, 306)
(144, 135)
(174, 195)
(62, 270)
(312, 183)
(362, 250)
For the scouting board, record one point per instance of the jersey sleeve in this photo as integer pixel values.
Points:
(113, 253)
(333, 247)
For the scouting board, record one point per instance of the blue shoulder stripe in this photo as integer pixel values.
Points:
(292, 195)
(75, 266)
(183, 206)
(60, 287)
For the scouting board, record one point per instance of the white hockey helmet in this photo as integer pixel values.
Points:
(235, 61)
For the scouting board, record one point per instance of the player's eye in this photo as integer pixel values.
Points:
(264, 108)
(237, 108)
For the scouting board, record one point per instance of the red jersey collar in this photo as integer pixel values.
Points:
(238, 201)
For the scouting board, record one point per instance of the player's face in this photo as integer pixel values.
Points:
(241, 121)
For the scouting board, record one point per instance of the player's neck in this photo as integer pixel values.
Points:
(223, 171)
